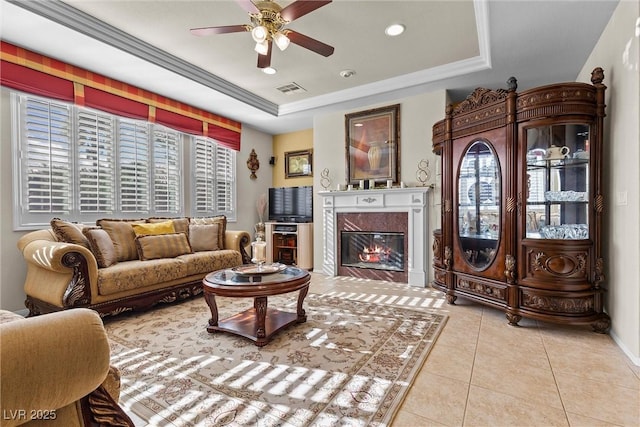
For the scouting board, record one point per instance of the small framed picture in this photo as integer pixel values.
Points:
(298, 163)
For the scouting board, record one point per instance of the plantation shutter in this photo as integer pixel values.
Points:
(204, 176)
(95, 162)
(134, 157)
(46, 159)
(167, 174)
(225, 185)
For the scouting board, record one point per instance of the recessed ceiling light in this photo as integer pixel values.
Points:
(394, 30)
(269, 70)
(347, 73)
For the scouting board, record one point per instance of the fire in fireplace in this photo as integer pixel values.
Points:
(375, 250)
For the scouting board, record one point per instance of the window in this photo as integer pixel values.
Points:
(83, 164)
(213, 178)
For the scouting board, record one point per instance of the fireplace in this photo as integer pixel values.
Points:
(376, 250)
(372, 245)
(388, 222)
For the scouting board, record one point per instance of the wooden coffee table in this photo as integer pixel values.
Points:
(259, 323)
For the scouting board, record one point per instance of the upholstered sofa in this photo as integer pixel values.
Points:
(122, 265)
(56, 372)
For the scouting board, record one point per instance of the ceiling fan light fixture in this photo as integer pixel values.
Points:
(281, 40)
(394, 30)
(259, 33)
(262, 47)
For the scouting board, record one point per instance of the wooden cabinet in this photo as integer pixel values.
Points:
(290, 243)
(522, 202)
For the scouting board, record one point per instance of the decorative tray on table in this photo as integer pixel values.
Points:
(252, 270)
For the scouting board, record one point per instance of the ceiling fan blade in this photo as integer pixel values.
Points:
(207, 31)
(309, 43)
(301, 7)
(247, 5)
(264, 61)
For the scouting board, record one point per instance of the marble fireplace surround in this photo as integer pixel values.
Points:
(411, 201)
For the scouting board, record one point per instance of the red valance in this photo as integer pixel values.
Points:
(34, 73)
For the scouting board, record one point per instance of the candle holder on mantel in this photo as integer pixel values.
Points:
(423, 174)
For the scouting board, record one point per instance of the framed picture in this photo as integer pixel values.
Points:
(373, 145)
(297, 163)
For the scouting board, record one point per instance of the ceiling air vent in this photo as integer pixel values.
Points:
(291, 88)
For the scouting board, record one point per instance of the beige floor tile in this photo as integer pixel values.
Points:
(599, 400)
(490, 408)
(533, 384)
(593, 363)
(437, 398)
(407, 419)
(450, 361)
(576, 420)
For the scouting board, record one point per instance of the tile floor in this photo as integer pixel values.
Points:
(483, 372)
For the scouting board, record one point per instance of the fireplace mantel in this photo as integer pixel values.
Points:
(412, 200)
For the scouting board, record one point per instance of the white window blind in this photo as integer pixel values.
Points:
(213, 178)
(95, 162)
(82, 164)
(46, 156)
(225, 183)
(135, 177)
(167, 171)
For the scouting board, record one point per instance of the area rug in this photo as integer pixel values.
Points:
(350, 364)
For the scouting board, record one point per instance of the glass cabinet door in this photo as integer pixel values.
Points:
(557, 182)
(479, 204)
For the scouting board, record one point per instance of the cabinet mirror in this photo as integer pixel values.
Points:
(479, 204)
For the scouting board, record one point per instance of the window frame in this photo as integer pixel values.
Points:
(181, 158)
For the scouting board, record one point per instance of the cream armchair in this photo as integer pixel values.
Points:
(55, 371)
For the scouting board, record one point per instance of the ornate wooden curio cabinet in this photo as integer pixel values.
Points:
(522, 202)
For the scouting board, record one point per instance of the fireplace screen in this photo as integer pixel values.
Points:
(365, 249)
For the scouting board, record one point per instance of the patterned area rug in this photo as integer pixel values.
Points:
(350, 364)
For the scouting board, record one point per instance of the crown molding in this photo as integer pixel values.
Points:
(74, 19)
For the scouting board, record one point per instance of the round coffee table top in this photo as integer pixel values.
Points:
(247, 281)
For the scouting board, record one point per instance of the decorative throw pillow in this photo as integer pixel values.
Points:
(204, 237)
(162, 246)
(222, 226)
(164, 227)
(122, 235)
(181, 225)
(69, 232)
(102, 246)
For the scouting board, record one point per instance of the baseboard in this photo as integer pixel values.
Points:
(634, 359)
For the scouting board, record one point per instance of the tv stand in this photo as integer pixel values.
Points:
(290, 243)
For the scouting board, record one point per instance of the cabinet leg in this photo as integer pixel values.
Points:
(451, 299)
(602, 325)
(513, 318)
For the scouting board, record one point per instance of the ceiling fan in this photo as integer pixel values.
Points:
(268, 21)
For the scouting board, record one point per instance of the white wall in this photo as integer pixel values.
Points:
(417, 116)
(617, 52)
(12, 266)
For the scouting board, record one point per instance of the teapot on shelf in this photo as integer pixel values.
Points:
(557, 153)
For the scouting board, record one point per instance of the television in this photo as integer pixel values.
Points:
(291, 204)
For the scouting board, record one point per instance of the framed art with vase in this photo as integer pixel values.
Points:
(373, 145)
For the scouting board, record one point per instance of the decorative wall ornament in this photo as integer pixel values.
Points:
(325, 181)
(253, 164)
(423, 174)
